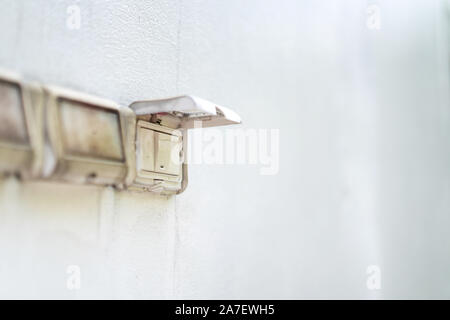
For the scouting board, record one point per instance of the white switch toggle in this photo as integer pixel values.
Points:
(146, 156)
(167, 154)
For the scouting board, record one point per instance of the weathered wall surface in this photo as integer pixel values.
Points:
(364, 129)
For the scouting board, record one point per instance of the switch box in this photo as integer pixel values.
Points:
(21, 126)
(91, 139)
(162, 127)
(159, 158)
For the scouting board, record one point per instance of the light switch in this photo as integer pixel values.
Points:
(169, 120)
(156, 170)
(146, 149)
(167, 153)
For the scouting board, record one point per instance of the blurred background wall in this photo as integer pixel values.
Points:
(363, 113)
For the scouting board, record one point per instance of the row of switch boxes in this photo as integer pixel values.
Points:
(58, 134)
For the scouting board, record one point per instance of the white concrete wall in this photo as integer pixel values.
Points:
(364, 173)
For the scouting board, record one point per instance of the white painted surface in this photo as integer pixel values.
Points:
(364, 130)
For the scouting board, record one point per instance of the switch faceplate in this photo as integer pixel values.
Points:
(159, 151)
